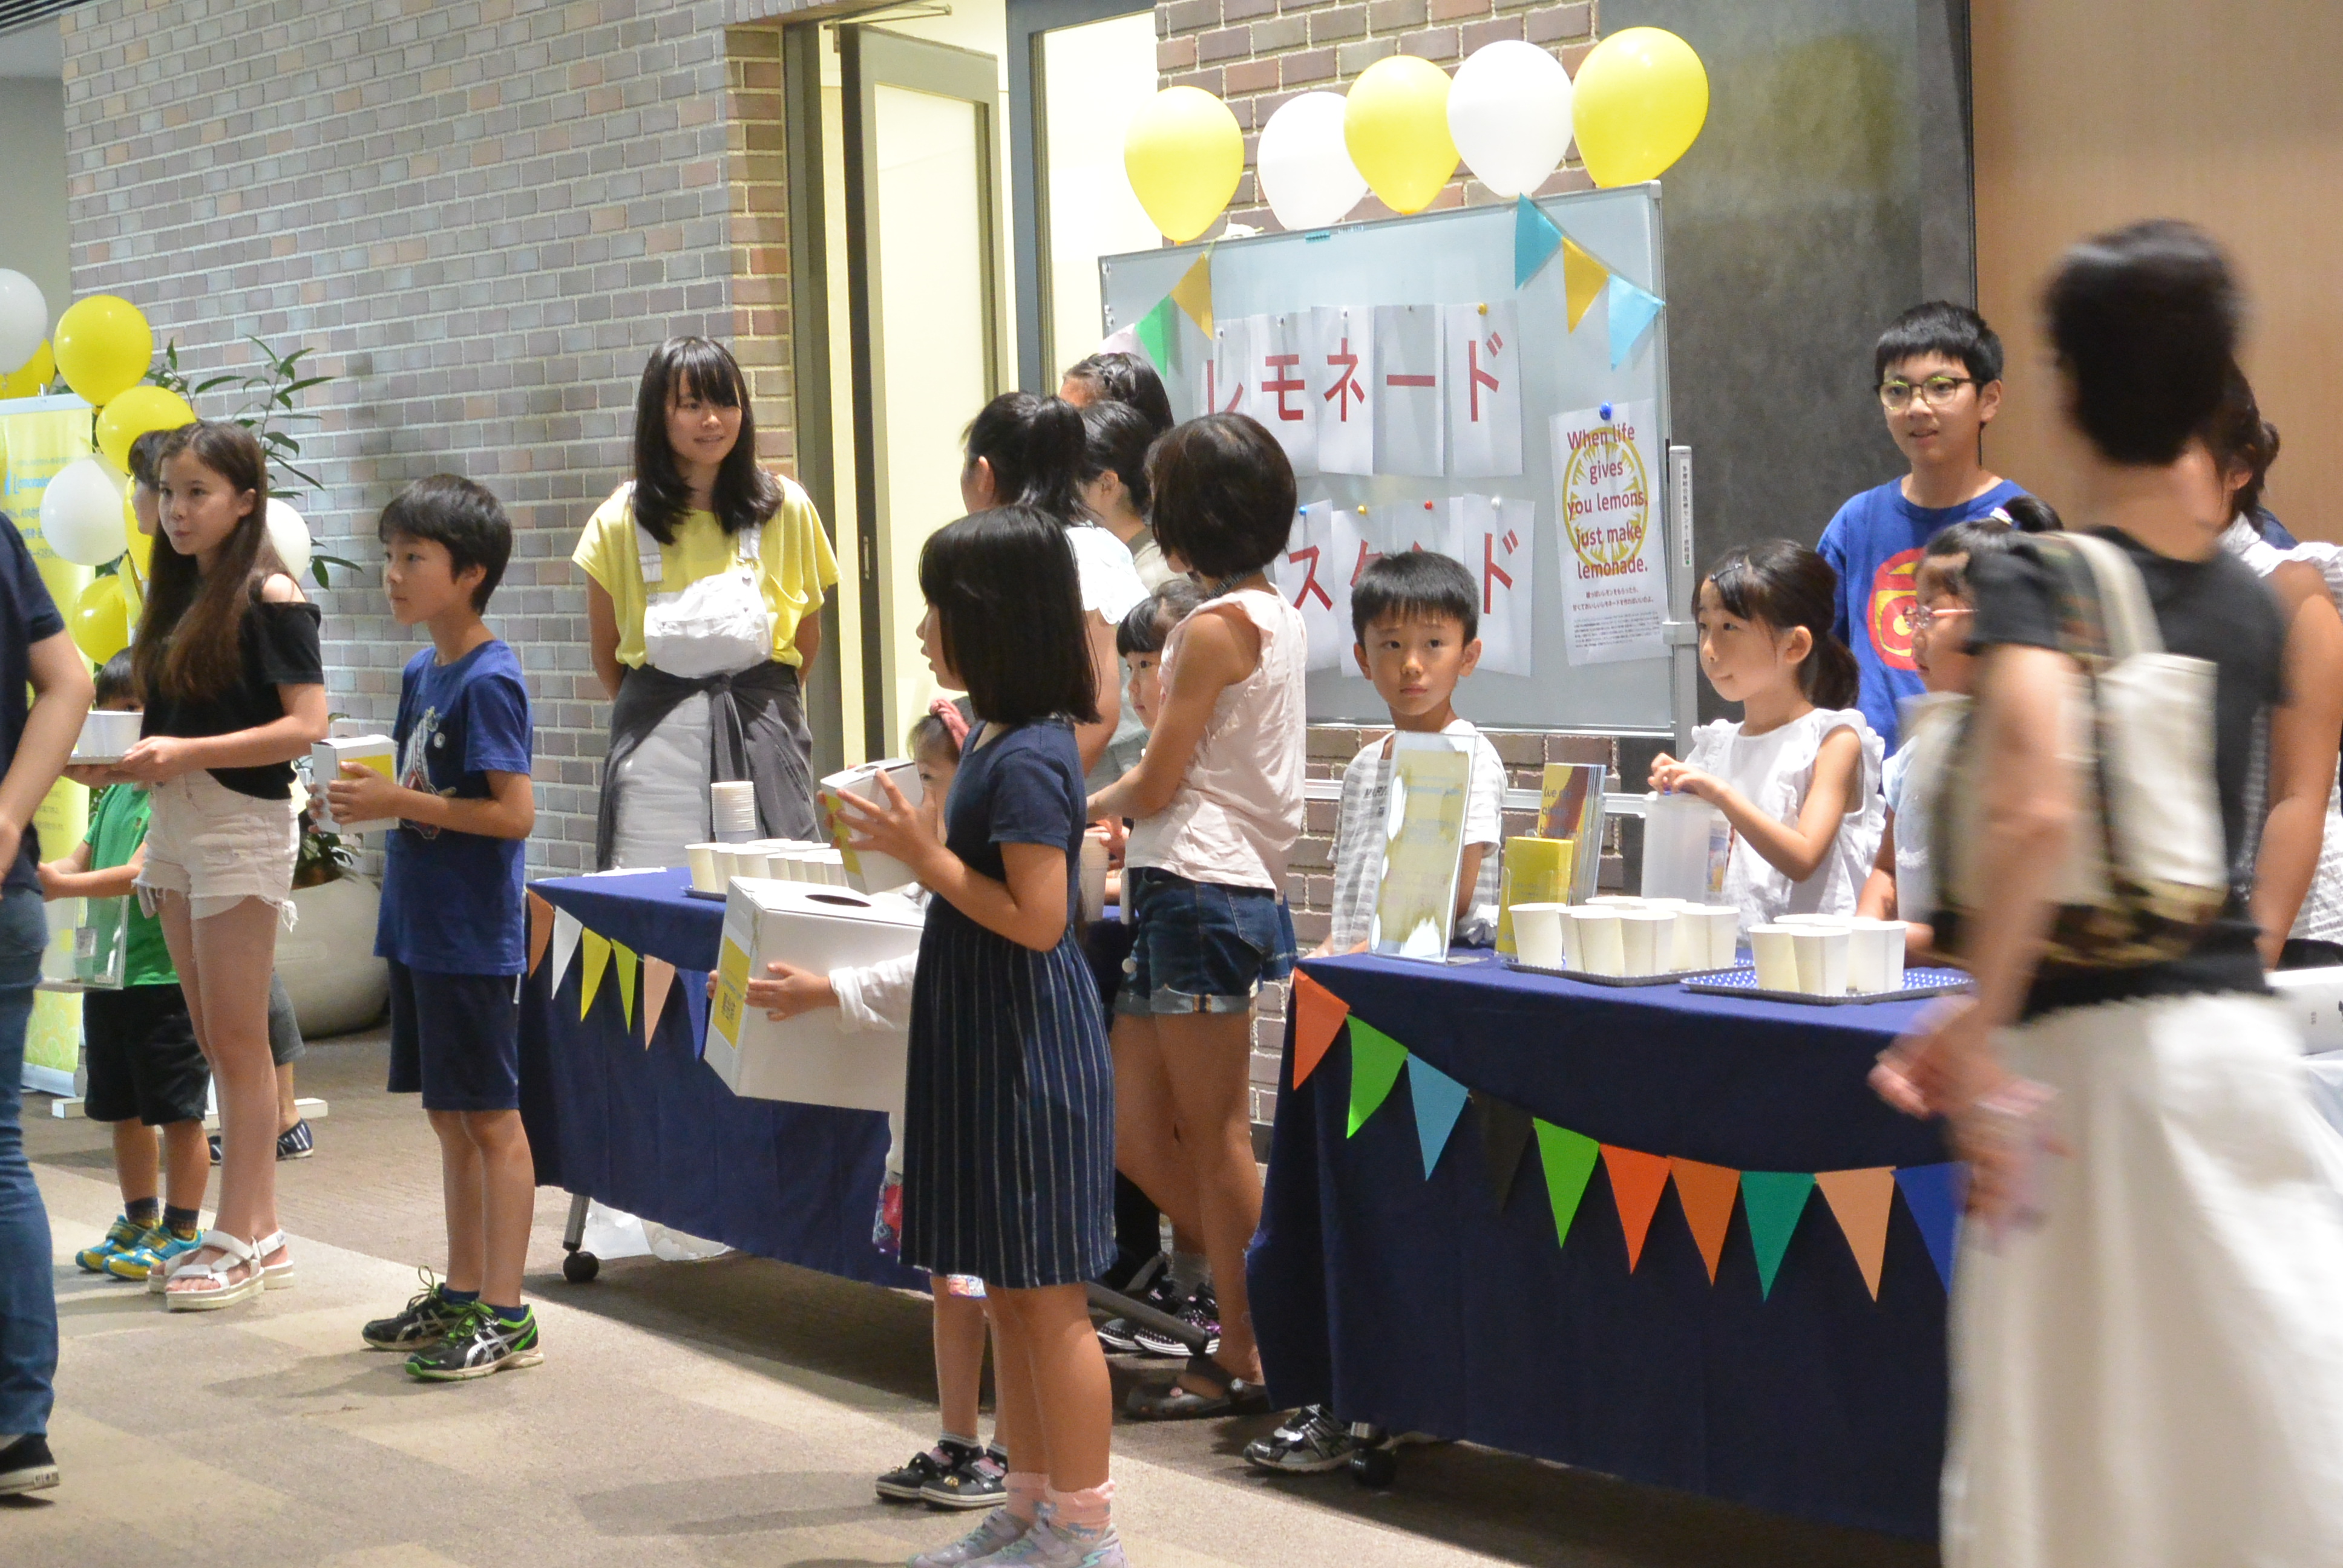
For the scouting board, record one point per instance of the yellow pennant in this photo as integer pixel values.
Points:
(625, 957)
(597, 950)
(1583, 279)
(1194, 293)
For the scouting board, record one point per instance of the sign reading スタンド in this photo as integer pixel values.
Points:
(1606, 508)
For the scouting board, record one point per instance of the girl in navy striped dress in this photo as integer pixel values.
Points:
(1009, 1114)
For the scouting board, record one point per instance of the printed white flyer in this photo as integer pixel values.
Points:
(1607, 514)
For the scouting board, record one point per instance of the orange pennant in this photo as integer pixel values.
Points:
(1636, 1183)
(1318, 1015)
(1860, 1200)
(1706, 1193)
(658, 976)
(541, 930)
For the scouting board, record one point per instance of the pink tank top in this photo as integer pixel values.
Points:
(1239, 810)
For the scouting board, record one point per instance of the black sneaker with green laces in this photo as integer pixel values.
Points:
(424, 1323)
(479, 1343)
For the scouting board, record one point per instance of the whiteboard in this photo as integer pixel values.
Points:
(1465, 257)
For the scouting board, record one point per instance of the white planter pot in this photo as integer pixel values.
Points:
(326, 962)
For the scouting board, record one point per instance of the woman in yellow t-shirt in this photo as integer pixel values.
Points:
(703, 603)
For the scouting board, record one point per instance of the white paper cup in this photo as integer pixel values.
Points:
(1537, 935)
(750, 861)
(1723, 925)
(1874, 956)
(1822, 958)
(703, 868)
(1688, 946)
(1602, 947)
(1775, 948)
(720, 860)
(1574, 951)
(1647, 939)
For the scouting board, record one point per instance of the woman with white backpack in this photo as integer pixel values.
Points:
(706, 577)
(2146, 1350)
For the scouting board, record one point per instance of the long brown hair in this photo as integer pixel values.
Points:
(190, 643)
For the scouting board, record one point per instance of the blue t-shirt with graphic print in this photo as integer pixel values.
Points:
(452, 903)
(1875, 545)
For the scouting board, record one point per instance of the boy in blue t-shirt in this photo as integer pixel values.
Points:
(454, 923)
(1939, 372)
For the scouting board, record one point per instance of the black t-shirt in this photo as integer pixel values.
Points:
(27, 616)
(280, 645)
(2215, 610)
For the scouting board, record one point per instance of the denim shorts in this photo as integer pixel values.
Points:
(1200, 947)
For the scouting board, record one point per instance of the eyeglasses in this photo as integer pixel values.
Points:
(1935, 391)
(1923, 618)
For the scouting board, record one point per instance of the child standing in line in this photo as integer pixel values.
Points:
(1216, 805)
(454, 925)
(1798, 777)
(1008, 1113)
(229, 666)
(147, 1073)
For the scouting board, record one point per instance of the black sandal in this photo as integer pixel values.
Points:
(1230, 1395)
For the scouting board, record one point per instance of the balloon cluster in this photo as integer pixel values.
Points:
(1509, 114)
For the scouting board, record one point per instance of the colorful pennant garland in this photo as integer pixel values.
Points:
(1632, 311)
(1192, 297)
(1860, 1199)
(567, 932)
(1318, 1015)
(595, 947)
(658, 975)
(1773, 1201)
(644, 984)
(1535, 239)
(1706, 1193)
(541, 930)
(1637, 1180)
(624, 957)
(1375, 1060)
(1505, 1133)
(1569, 1158)
(1582, 280)
(1935, 1194)
(1439, 1101)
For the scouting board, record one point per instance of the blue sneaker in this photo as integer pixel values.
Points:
(154, 1252)
(121, 1237)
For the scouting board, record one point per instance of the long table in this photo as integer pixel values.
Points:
(1414, 1301)
(652, 1130)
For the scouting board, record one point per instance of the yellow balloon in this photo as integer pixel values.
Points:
(100, 619)
(131, 413)
(104, 347)
(1184, 155)
(28, 378)
(1637, 105)
(1395, 124)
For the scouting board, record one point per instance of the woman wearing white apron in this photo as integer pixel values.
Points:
(705, 578)
(2147, 1320)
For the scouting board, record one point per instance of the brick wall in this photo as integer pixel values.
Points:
(1257, 54)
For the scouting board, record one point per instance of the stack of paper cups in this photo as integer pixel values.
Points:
(733, 805)
(1537, 934)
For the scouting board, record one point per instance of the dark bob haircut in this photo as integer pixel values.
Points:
(1415, 585)
(2145, 324)
(1010, 604)
(1128, 379)
(1779, 585)
(1939, 327)
(1223, 496)
(1034, 447)
(1116, 436)
(1147, 626)
(460, 517)
(680, 370)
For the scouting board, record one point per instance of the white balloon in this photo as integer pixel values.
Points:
(290, 536)
(1509, 114)
(1303, 164)
(81, 514)
(24, 320)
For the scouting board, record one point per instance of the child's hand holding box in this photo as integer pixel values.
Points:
(343, 804)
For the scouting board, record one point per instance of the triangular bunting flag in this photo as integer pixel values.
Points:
(1583, 278)
(1505, 1133)
(566, 932)
(1124, 340)
(1535, 239)
(1569, 1161)
(1439, 1101)
(1375, 1060)
(1194, 293)
(624, 957)
(1632, 310)
(541, 930)
(1154, 332)
(1318, 1015)
(658, 976)
(1706, 1193)
(1935, 1194)
(1773, 1201)
(1636, 1183)
(1860, 1200)
(595, 950)
(695, 1015)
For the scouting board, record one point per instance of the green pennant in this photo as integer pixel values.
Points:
(1375, 1060)
(1775, 1199)
(1157, 330)
(1569, 1158)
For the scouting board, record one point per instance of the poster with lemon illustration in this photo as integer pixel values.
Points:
(1607, 475)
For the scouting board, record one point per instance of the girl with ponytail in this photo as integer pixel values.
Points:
(1026, 450)
(1798, 777)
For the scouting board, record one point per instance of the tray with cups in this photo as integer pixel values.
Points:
(1829, 960)
(1625, 942)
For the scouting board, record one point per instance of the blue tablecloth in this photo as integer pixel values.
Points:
(654, 1131)
(1417, 1304)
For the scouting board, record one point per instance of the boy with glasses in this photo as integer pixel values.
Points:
(1938, 369)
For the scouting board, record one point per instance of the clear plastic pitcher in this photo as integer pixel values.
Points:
(1686, 842)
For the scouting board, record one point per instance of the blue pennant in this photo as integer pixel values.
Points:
(1535, 239)
(695, 1008)
(1632, 311)
(1439, 1101)
(1935, 1193)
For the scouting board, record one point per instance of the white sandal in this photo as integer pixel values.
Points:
(277, 1276)
(194, 1296)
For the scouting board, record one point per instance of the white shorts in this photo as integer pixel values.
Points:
(218, 847)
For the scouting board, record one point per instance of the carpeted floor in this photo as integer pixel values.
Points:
(731, 1412)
